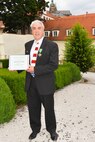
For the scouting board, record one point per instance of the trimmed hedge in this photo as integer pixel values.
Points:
(66, 74)
(74, 71)
(15, 82)
(7, 104)
(4, 62)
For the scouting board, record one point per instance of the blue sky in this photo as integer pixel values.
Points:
(76, 7)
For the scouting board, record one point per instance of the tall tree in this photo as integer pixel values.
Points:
(18, 14)
(79, 48)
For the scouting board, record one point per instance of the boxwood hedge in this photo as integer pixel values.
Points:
(65, 75)
(15, 82)
(7, 104)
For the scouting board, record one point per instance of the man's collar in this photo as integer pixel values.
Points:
(39, 41)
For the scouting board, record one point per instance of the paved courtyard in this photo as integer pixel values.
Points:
(75, 114)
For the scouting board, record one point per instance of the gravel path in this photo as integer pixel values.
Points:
(75, 112)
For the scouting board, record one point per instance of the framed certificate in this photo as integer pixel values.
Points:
(18, 62)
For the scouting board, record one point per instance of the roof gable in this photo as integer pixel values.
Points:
(64, 23)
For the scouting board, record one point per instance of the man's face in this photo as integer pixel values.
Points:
(37, 31)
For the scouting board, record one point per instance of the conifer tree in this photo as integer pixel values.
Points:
(78, 48)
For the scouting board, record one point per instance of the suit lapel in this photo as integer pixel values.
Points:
(43, 45)
(29, 47)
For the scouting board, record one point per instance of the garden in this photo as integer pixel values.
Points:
(12, 93)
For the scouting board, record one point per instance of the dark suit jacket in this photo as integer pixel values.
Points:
(46, 63)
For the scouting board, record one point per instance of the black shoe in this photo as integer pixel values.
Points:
(33, 135)
(54, 136)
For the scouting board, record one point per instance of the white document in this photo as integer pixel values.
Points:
(18, 62)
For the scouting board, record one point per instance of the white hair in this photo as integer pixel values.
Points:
(37, 22)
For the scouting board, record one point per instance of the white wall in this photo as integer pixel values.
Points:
(14, 44)
(2, 52)
(61, 45)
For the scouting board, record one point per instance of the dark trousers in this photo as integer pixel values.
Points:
(34, 101)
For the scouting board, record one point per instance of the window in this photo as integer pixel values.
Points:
(47, 33)
(68, 32)
(55, 33)
(93, 31)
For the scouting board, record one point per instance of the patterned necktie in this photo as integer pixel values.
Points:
(34, 58)
(33, 61)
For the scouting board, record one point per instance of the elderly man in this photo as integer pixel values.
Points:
(40, 80)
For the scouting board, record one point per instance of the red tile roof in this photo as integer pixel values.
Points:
(67, 22)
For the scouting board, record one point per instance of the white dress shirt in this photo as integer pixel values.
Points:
(35, 44)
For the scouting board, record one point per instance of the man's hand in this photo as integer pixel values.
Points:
(30, 69)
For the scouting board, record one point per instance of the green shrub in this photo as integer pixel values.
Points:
(15, 82)
(74, 70)
(7, 104)
(66, 74)
(61, 79)
(4, 62)
(78, 48)
(93, 55)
